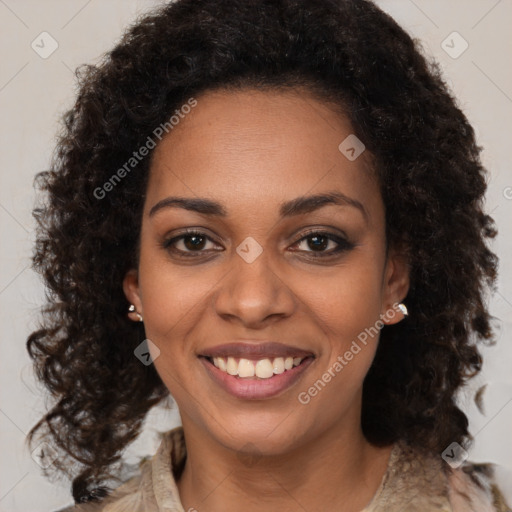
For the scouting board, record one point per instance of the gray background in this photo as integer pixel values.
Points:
(35, 91)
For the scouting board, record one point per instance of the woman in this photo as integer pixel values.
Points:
(271, 211)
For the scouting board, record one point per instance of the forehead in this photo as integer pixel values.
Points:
(255, 147)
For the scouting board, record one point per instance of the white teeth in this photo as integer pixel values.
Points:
(232, 366)
(278, 365)
(246, 368)
(221, 364)
(263, 369)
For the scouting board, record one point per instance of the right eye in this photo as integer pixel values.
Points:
(191, 242)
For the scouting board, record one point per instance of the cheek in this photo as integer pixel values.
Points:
(347, 307)
(171, 304)
(347, 301)
(348, 311)
(172, 295)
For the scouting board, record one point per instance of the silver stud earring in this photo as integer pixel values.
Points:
(131, 309)
(403, 308)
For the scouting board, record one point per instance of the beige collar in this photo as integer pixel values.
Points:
(414, 481)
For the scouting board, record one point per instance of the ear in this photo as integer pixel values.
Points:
(395, 286)
(132, 291)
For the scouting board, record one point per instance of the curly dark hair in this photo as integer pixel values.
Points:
(347, 53)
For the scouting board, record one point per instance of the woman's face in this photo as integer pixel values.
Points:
(258, 272)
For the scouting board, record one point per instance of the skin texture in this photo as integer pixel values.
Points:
(252, 150)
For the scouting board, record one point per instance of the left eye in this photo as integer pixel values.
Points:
(319, 241)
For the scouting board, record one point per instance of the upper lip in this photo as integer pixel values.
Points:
(252, 350)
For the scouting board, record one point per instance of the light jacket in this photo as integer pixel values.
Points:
(413, 482)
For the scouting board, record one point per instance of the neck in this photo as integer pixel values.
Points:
(338, 470)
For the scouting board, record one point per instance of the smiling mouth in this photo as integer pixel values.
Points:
(257, 380)
(256, 369)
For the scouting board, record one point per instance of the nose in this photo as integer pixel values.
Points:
(253, 294)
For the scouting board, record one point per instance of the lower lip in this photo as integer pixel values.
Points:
(255, 388)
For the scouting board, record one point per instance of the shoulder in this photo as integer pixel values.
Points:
(153, 486)
(127, 496)
(473, 485)
(419, 481)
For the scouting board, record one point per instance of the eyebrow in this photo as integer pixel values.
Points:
(297, 206)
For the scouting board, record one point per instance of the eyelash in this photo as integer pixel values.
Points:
(343, 244)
